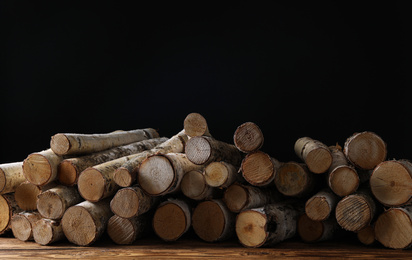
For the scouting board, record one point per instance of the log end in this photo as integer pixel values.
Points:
(170, 222)
(343, 180)
(251, 228)
(125, 203)
(353, 213)
(198, 150)
(216, 174)
(319, 160)
(317, 209)
(37, 169)
(291, 179)
(248, 137)
(50, 205)
(123, 177)
(235, 197)
(258, 168)
(156, 175)
(5, 214)
(79, 226)
(26, 196)
(60, 144)
(208, 221)
(309, 230)
(195, 125)
(393, 229)
(67, 173)
(42, 232)
(121, 230)
(91, 184)
(366, 235)
(21, 228)
(193, 184)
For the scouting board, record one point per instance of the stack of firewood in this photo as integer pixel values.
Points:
(131, 183)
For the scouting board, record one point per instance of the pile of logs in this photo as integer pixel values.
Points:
(133, 183)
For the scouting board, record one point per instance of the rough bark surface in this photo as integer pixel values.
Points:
(11, 176)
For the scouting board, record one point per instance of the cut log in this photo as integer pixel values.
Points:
(268, 225)
(212, 221)
(8, 208)
(22, 225)
(131, 202)
(259, 169)
(205, 149)
(194, 186)
(365, 150)
(356, 211)
(126, 175)
(391, 183)
(41, 168)
(85, 222)
(321, 205)
(238, 197)
(314, 153)
(124, 231)
(221, 174)
(47, 231)
(26, 194)
(393, 228)
(248, 137)
(367, 235)
(64, 144)
(295, 180)
(343, 180)
(195, 125)
(162, 174)
(11, 176)
(53, 202)
(312, 231)
(70, 169)
(172, 219)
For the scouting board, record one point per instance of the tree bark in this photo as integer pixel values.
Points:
(195, 125)
(85, 222)
(70, 169)
(248, 137)
(8, 208)
(125, 231)
(259, 169)
(314, 153)
(221, 174)
(47, 231)
(22, 225)
(294, 179)
(26, 194)
(321, 205)
(64, 144)
(11, 176)
(41, 168)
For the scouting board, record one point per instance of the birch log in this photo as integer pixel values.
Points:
(41, 168)
(126, 175)
(124, 231)
(194, 186)
(259, 169)
(312, 231)
(195, 125)
(64, 144)
(22, 225)
(365, 150)
(172, 219)
(11, 176)
(367, 235)
(393, 228)
(205, 149)
(268, 225)
(85, 222)
(162, 174)
(212, 221)
(47, 231)
(314, 153)
(391, 183)
(8, 208)
(294, 179)
(321, 205)
(221, 174)
(248, 137)
(26, 194)
(53, 202)
(70, 169)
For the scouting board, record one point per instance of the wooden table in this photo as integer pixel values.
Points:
(154, 248)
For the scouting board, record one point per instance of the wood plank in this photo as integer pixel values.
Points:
(194, 248)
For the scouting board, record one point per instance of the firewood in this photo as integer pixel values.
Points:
(69, 169)
(221, 174)
(85, 222)
(356, 211)
(64, 144)
(195, 125)
(259, 169)
(47, 231)
(365, 150)
(11, 176)
(238, 197)
(53, 202)
(8, 208)
(194, 186)
(391, 183)
(321, 205)
(367, 235)
(126, 175)
(131, 202)
(41, 168)
(311, 231)
(212, 221)
(26, 194)
(268, 225)
(295, 180)
(393, 228)
(172, 219)
(162, 174)
(248, 137)
(206, 149)
(314, 153)
(22, 225)
(124, 231)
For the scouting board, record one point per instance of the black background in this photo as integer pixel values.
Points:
(324, 70)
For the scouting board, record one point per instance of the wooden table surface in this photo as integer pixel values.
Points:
(154, 248)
